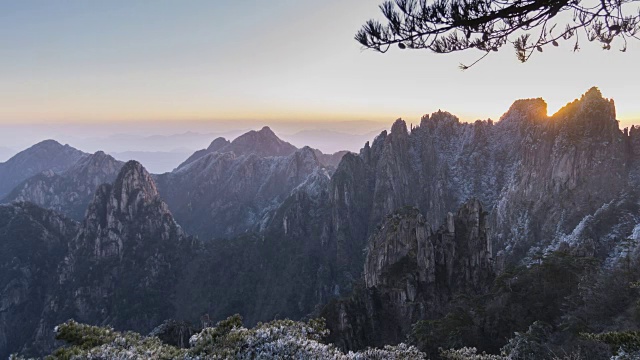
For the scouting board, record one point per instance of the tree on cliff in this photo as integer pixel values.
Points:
(445, 26)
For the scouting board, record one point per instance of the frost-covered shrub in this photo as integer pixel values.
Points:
(469, 353)
(624, 355)
(624, 344)
(280, 339)
(93, 342)
(529, 345)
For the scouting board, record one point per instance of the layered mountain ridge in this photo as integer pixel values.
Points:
(233, 188)
(283, 234)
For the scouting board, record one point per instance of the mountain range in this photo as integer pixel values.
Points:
(425, 224)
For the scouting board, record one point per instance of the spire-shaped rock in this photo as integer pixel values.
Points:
(399, 128)
(134, 189)
(129, 209)
(128, 247)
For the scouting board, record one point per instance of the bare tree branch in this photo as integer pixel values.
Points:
(445, 26)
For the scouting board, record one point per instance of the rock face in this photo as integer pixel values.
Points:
(33, 241)
(70, 191)
(458, 253)
(46, 155)
(411, 273)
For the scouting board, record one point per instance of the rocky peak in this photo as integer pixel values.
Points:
(50, 147)
(266, 131)
(97, 163)
(593, 95)
(472, 257)
(262, 143)
(218, 144)
(378, 141)
(71, 191)
(46, 155)
(592, 110)
(593, 100)
(133, 188)
(132, 198)
(399, 128)
(526, 111)
(438, 118)
(124, 212)
(307, 156)
(47, 144)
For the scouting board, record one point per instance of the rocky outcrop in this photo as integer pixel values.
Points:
(33, 241)
(70, 191)
(46, 155)
(411, 273)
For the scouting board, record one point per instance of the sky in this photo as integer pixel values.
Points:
(165, 66)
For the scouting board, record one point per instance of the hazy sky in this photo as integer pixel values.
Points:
(278, 60)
